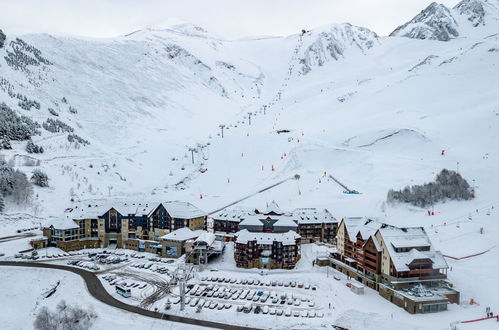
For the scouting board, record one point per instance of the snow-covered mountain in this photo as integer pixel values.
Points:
(323, 45)
(437, 22)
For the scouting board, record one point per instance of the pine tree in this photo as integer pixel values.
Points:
(2, 38)
(40, 178)
(2, 203)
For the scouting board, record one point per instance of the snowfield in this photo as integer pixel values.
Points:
(375, 112)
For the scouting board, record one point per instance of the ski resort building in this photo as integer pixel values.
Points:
(267, 250)
(227, 221)
(137, 226)
(313, 225)
(400, 263)
(174, 243)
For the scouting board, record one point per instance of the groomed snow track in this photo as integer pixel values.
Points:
(98, 291)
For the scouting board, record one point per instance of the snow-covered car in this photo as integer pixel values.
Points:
(287, 313)
(194, 302)
(311, 303)
(311, 313)
(265, 310)
(279, 312)
(304, 313)
(272, 311)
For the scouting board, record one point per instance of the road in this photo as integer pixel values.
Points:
(96, 290)
(14, 237)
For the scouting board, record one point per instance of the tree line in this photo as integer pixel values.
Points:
(448, 184)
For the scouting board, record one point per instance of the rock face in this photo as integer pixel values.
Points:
(478, 11)
(435, 22)
(332, 44)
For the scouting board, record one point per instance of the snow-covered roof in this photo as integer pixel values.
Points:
(273, 207)
(232, 214)
(182, 234)
(411, 238)
(63, 223)
(366, 227)
(183, 210)
(94, 209)
(313, 215)
(288, 238)
(206, 237)
(260, 219)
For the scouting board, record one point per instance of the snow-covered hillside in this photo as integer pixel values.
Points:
(375, 112)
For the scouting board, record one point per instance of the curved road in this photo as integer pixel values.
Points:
(97, 291)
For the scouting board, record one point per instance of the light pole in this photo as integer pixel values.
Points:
(457, 167)
(264, 107)
(222, 126)
(249, 117)
(192, 150)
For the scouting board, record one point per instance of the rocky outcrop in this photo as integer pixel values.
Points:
(436, 22)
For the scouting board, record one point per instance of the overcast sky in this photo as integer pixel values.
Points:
(227, 18)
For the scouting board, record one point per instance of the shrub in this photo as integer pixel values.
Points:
(40, 178)
(53, 112)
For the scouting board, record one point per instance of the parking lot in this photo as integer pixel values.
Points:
(252, 295)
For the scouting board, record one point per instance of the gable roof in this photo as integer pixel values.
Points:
(411, 238)
(273, 208)
(288, 238)
(233, 214)
(182, 234)
(312, 216)
(183, 210)
(365, 226)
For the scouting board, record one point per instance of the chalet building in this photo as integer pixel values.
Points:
(131, 225)
(313, 225)
(267, 250)
(400, 263)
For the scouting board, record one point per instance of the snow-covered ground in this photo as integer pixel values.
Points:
(23, 294)
(375, 112)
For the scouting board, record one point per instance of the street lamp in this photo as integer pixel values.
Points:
(222, 126)
(249, 117)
